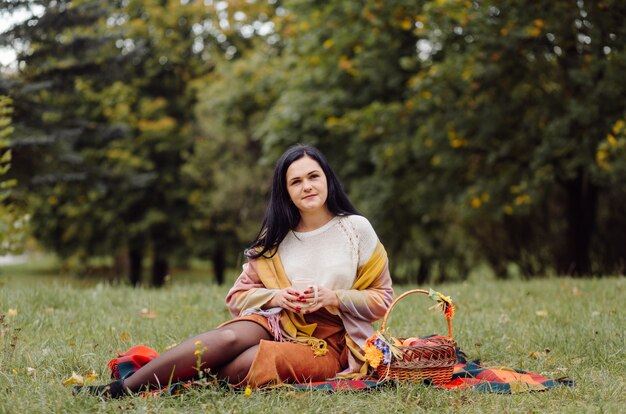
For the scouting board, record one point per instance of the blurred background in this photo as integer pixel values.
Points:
(137, 138)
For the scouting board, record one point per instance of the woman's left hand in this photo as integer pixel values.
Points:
(319, 297)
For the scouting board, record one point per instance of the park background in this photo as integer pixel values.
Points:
(484, 140)
(471, 134)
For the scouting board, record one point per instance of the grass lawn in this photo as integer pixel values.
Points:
(557, 327)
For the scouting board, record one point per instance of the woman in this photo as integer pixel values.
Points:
(311, 232)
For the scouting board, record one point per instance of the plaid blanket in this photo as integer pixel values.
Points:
(467, 375)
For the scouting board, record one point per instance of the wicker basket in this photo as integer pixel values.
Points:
(433, 363)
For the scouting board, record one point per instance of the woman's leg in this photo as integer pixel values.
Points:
(237, 369)
(218, 348)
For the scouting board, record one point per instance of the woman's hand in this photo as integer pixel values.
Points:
(289, 299)
(310, 300)
(319, 297)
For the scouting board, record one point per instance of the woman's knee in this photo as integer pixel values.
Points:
(240, 334)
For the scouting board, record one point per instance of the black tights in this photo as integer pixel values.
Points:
(227, 351)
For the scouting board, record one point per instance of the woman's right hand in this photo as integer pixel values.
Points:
(287, 298)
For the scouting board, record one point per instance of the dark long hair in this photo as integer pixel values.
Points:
(281, 215)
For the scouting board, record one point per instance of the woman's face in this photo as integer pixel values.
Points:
(306, 185)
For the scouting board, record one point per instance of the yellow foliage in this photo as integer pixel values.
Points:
(328, 43)
(457, 143)
(163, 124)
(332, 121)
(475, 202)
(455, 140)
(406, 24)
(602, 160)
(611, 140)
(522, 199)
(149, 107)
(346, 65)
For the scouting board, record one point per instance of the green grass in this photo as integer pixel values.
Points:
(63, 327)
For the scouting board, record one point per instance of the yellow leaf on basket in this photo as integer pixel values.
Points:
(75, 379)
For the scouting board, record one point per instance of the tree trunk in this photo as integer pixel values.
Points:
(219, 264)
(581, 206)
(135, 258)
(423, 272)
(160, 270)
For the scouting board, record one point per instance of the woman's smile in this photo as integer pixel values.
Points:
(306, 185)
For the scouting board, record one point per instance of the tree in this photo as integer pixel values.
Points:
(520, 99)
(349, 65)
(11, 221)
(112, 103)
(229, 172)
(469, 131)
(55, 175)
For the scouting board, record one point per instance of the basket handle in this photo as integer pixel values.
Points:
(402, 296)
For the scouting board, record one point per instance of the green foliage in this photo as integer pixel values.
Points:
(230, 183)
(121, 76)
(468, 132)
(12, 220)
(516, 102)
(65, 329)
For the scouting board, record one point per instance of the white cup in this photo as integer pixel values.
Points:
(301, 285)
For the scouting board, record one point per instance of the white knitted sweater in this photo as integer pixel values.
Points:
(331, 254)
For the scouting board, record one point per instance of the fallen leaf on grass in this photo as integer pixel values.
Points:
(124, 336)
(542, 312)
(31, 370)
(91, 376)
(75, 379)
(11, 313)
(149, 314)
(539, 354)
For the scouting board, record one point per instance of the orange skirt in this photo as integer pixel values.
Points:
(278, 362)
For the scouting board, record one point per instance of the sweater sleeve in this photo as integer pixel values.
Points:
(372, 293)
(371, 303)
(248, 291)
